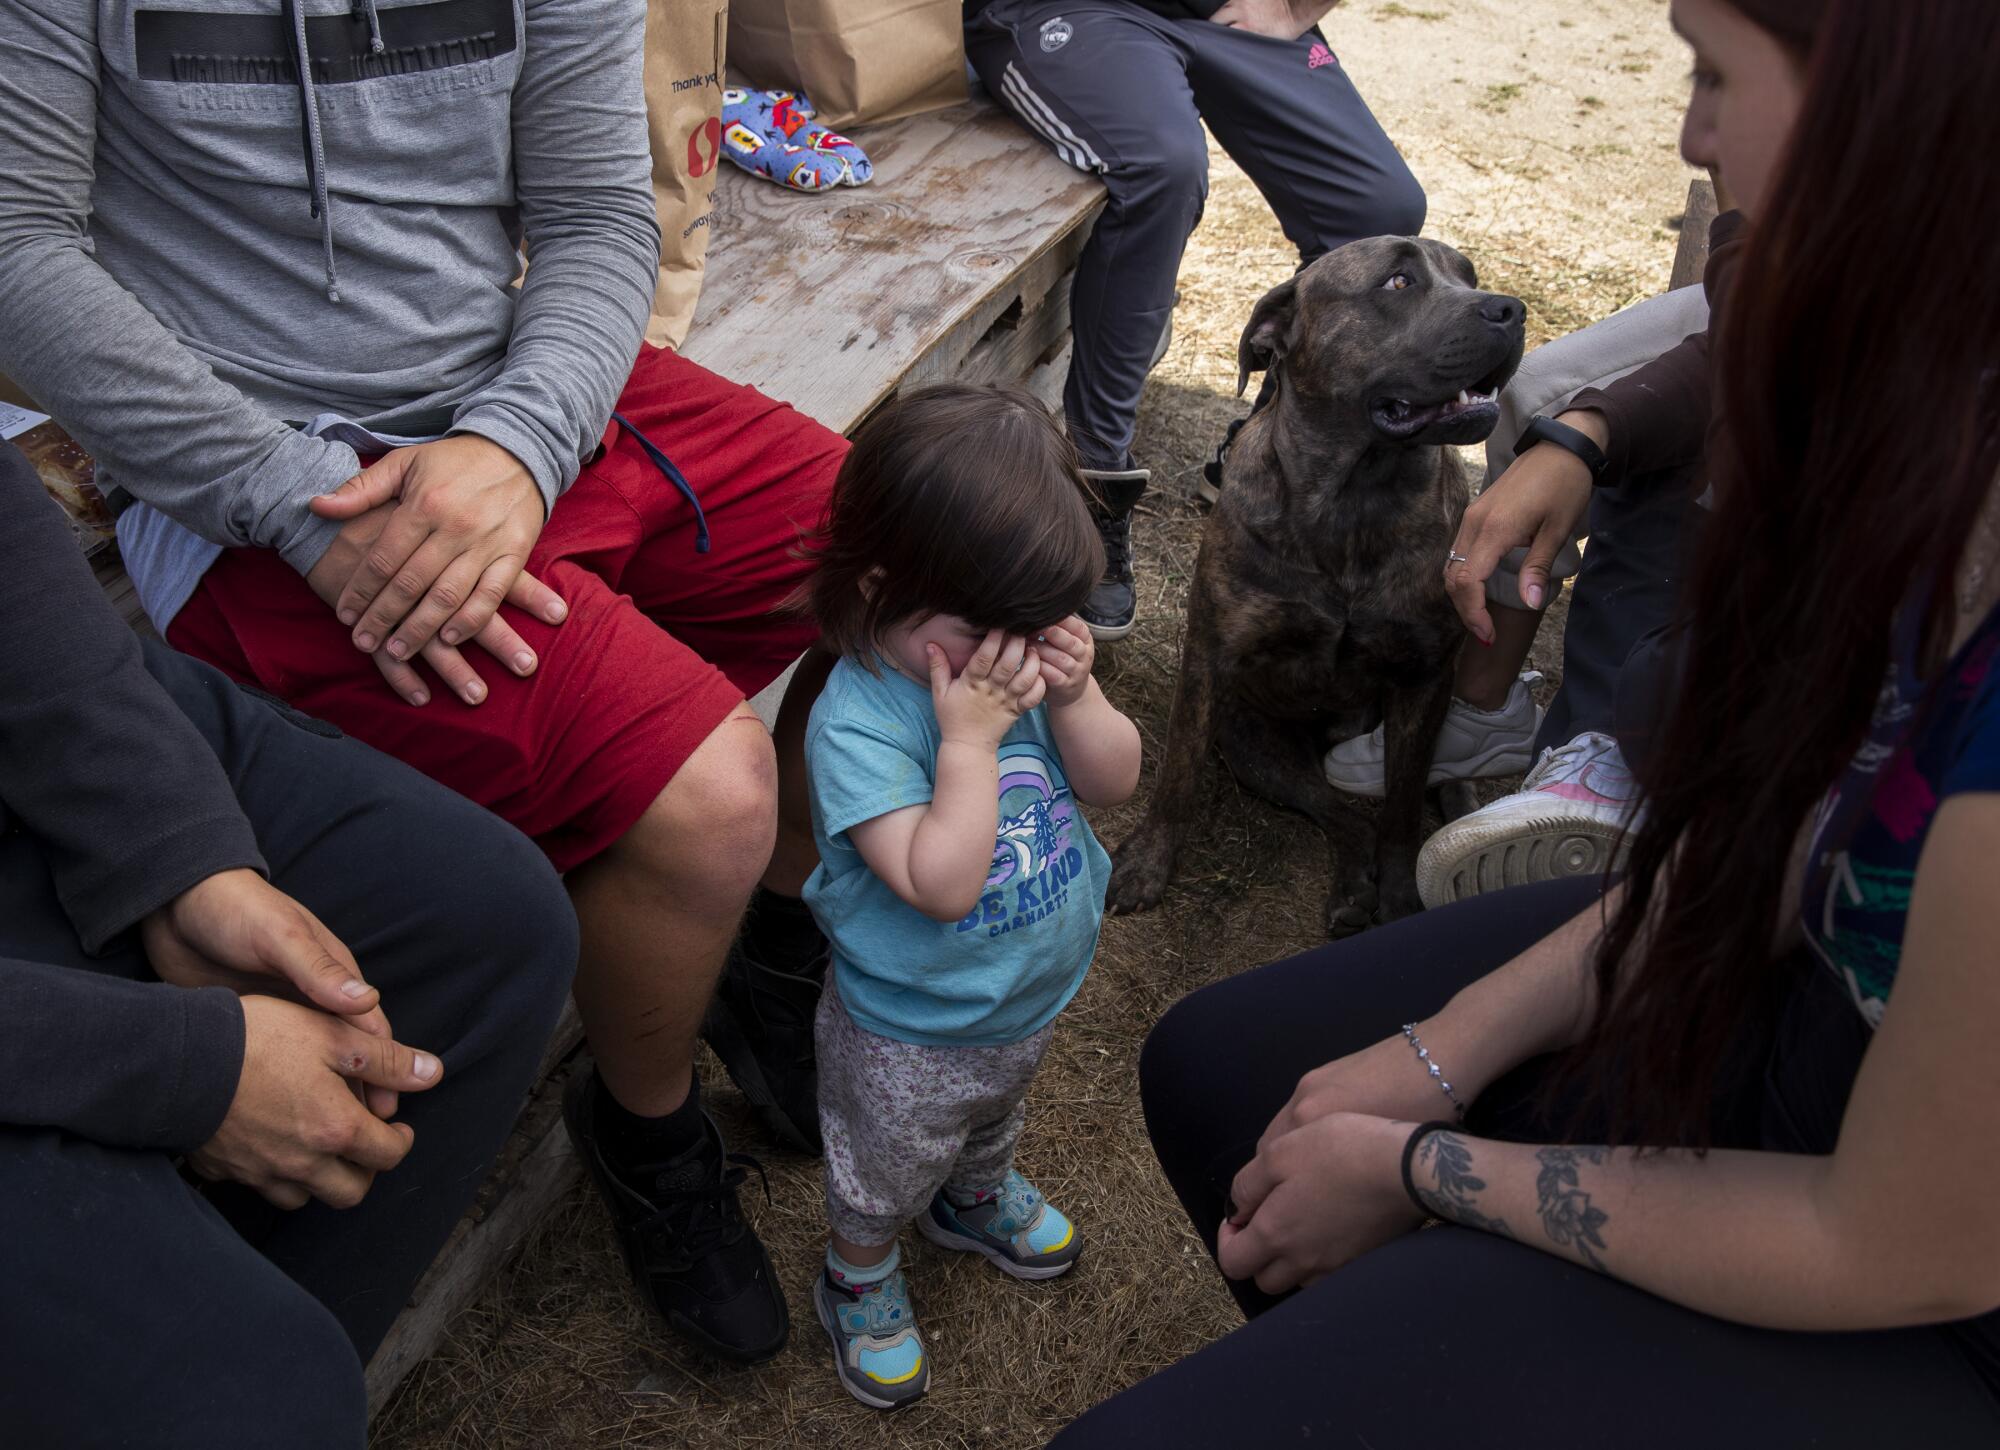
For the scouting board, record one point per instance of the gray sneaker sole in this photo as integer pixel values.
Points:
(944, 1238)
(1110, 633)
(1470, 857)
(839, 1343)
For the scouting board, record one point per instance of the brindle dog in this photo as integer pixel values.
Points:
(1318, 606)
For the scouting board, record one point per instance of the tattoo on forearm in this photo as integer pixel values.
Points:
(1568, 1217)
(1456, 1195)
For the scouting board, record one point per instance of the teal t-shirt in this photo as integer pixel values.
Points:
(1003, 972)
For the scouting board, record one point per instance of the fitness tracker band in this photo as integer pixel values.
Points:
(1548, 430)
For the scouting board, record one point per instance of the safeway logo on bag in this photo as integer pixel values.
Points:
(705, 138)
(1319, 55)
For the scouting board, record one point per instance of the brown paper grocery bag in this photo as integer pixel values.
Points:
(858, 61)
(686, 42)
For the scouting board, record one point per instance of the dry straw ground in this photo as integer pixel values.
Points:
(1544, 131)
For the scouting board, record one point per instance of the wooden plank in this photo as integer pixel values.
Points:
(1003, 338)
(828, 301)
(535, 1169)
(1691, 256)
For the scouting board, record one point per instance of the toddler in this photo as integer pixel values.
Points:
(958, 882)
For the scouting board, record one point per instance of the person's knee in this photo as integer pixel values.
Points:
(1178, 1052)
(512, 911)
(1171, 176)
(291, 1378)
(324, 1398)
(1400, 204)
(710, 832)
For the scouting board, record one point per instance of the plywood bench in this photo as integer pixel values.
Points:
(954, 262)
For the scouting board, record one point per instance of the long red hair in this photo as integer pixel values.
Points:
(1858, 375)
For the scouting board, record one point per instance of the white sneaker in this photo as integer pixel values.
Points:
(1568, 819)
(1472, 745)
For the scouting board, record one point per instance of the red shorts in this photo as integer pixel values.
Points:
(661, 642)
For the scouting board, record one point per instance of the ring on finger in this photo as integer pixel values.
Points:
(1453, 557)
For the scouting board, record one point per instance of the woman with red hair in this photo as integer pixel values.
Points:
(1716, 1150)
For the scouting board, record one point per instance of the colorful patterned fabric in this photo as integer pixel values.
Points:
(772, 134)
(1925, 744)
(901, 1121)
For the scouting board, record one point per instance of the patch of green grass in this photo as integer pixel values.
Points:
(1590, 103)
(1500, 97)
(1397, 11)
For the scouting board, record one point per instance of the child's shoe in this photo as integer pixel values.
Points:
(1013, 1225)
(877, 1352)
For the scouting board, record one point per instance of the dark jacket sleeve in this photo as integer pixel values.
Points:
(131, 1064)
(1658, 415)
(124, 796)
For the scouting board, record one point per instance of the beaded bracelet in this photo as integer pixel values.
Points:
(1437, 1073)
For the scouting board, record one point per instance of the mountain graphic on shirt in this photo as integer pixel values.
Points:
(1037, 815)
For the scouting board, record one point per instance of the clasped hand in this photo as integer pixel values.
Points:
(1326, 1183)
(436, 537)
(1000, 683)
(321, 1070)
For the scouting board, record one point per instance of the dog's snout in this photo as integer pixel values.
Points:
(1501, 311)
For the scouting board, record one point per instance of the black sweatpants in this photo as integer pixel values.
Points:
(1619, 657)
(1119, 90)
(1456, 1337)
(137, 1311)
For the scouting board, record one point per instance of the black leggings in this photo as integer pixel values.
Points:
(1455, 1337)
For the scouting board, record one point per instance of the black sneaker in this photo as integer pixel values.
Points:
(692, 1254)
(1113, 606)
(761, 1026)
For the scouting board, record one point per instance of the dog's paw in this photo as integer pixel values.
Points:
(1350, 908)
(1140, 871)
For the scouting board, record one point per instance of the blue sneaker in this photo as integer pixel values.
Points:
(1013, 1225)
(877, 1352)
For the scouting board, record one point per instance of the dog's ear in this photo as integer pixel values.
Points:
(1269, 332)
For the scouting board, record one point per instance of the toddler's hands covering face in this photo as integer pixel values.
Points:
(1067, 653)
(1000, 683)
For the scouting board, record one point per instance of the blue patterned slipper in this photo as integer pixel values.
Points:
(772, 134)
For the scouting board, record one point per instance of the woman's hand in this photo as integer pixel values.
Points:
(1000, 683)
(1067, 653)
(1538, 501)
(1386, 1080)
(1316, 1198)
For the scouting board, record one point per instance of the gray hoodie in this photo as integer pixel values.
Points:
(205, 245)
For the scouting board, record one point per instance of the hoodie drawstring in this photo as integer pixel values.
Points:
(315, 146)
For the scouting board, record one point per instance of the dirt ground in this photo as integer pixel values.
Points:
(1544, 132)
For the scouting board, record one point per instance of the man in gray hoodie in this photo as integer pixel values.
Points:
(258, 255)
